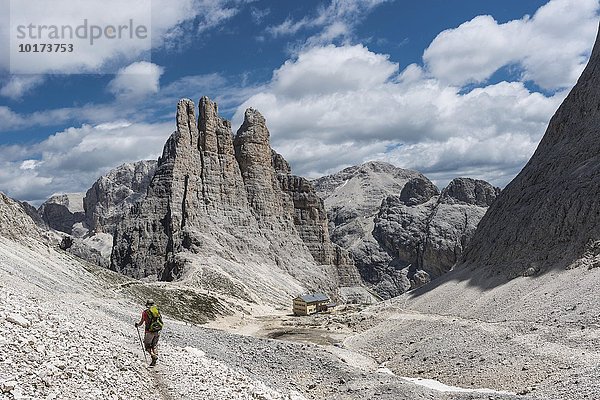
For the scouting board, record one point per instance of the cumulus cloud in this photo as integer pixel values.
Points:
(335, 106)
(550, 48)
(326, 70)
(71, 160)
(167, 21)
(136, 80)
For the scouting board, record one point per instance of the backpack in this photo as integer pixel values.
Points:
(155, 320)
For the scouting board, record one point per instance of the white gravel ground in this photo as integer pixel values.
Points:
(66, 332)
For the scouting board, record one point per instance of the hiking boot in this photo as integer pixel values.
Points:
(154, 358)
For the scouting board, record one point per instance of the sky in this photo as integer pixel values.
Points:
(449, 88)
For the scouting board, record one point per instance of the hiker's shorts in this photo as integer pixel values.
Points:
(151, 339)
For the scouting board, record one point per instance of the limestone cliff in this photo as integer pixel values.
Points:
(310, 220)
(64, 213)
(218, 213)
(111, 195)
(400, 231)
(549, 215)
(428, 236)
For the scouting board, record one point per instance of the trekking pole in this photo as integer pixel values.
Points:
(143, 350)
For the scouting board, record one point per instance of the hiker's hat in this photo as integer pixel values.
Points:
(149, 302)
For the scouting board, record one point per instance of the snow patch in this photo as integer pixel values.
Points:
(195, 351)
(441, 387)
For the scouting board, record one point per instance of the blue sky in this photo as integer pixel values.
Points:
(461, 88)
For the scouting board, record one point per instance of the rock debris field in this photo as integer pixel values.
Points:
(67, 333)
(62, 337)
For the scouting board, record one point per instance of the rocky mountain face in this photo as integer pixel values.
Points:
(226, 214)
(549, 215)
(90, 219)
(528, 279)
(426, 232)
(400, 230)
(64, 213)
(112, 194)
(310, 220)
(352, 199)
(15, 223)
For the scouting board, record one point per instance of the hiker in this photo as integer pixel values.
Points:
(153, 324)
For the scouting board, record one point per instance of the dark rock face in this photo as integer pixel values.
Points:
(222, 210)
(418, 191)
(397, 227)
(425, 239)
(352, 200)
(470, 191)
(33, 213)
(106, 202)
(549, 215)
(61, 212)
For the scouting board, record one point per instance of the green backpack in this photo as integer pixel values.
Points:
(156, 323)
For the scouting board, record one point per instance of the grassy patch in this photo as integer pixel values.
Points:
(184, 304)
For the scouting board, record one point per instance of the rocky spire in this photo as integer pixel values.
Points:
(253, 154)
(208, 123)
(147, 241)
(217, 211)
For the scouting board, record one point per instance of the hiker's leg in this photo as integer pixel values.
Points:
(155, 342)
(148, 342)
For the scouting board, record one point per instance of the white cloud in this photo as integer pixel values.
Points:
(339, 105)
(29, 164)
(136, 81)
(89, 113)
(288, 27)
(335, 21)
(333, 106)
(73, 159)
(18, 86)
(327, 69)
(214, 14)
(168, 21)
(551, 48)
(258, 15)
